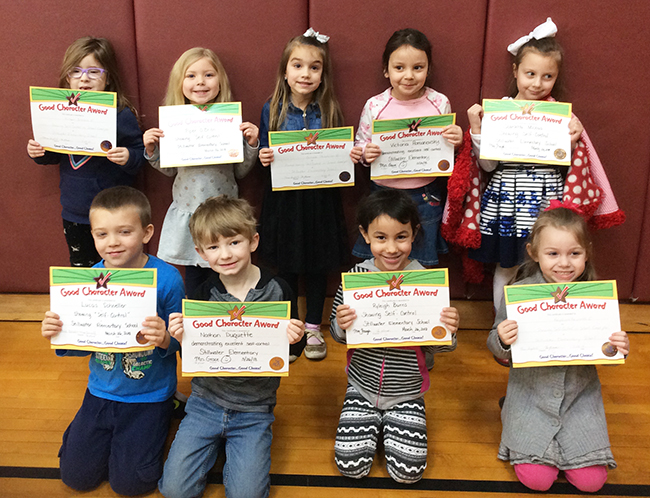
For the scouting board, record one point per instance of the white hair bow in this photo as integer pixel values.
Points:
(544, 30)
(315, 34)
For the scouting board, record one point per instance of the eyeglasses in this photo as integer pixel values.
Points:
(94, 73)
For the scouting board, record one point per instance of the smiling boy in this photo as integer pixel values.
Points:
(235, 413)
(120, 430)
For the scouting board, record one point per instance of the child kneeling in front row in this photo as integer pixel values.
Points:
(386, 386)
(120, 430)
(231, 412)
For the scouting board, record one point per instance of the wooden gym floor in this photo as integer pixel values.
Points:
(41, 393)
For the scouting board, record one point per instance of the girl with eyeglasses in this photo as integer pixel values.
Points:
(90, 64)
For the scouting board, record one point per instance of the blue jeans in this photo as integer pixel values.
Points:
(205, 430)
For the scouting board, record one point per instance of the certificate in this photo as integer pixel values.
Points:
(196, 135)
(526, 131)
(102, 309)
(397, 308)
(412, 147)
(564, 324)
(235, 339)
(79, 122)
(312, 158)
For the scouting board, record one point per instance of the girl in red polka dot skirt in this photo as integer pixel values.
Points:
(495, 225)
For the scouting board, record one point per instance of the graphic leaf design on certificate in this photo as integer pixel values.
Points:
(299, 136)
(556, 108)
(220, 108)
(72, 276)
(388, 125)
(537, 292)
(42, 94)
(196, 309)
(379, 279)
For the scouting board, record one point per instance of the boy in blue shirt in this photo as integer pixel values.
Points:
(120, 430)
(231, 413)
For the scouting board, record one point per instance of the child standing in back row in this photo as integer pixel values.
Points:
(303, 232)
(518, 192)
(553, 416)
(90, 64)
(197, 78)
(386, 386)
(406, 64)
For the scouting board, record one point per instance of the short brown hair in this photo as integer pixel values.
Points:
(115, 198)
(222, 216)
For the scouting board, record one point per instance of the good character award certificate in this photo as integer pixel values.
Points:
(412, 147)
(564, 324)
(235, 339)
(102, 309)
(79, 122)
(397, 308)
(196, 135)
(526, 131)
(312, 158)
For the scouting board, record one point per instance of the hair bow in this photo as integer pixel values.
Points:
(544, 30)
(315, 34)
(556, 203)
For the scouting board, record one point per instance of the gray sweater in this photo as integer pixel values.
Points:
(559, 404)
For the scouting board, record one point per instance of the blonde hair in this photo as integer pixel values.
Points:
(561, 219)
(331, 114)
(175, 95)
(222, 216)
(102, 50)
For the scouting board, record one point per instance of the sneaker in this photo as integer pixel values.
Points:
(316, 348)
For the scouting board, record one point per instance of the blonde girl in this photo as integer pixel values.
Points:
(197, 78)
(90, 64)
(553, 417)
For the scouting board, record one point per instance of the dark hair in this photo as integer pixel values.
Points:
(394, 203)
(545, 46)
(115, 198)
(102, 50)
(331, 114)
(562, 219)
(408, 36)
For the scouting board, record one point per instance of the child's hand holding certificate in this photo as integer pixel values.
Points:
(397, 308)
(564, 324)
(235, 339)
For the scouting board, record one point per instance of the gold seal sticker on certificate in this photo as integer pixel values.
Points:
(609, 350)
(276, 363)
(439, 332)
(235, 339)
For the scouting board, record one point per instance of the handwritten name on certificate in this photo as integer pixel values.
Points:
(412, 147)
(235, 339)
(312, 158)
(397, 308)
(564, 324)
(102, 309)
(526, 131)
(74, 121)
(196, 135)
